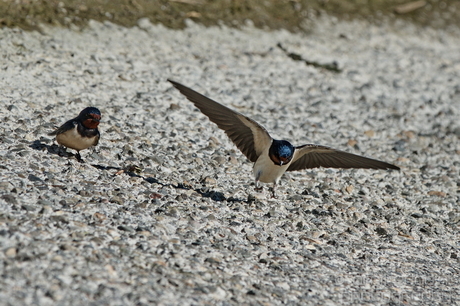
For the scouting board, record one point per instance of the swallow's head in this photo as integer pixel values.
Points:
(281, 152)
(90, 117)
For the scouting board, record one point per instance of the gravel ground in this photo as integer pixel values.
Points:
(190, 229)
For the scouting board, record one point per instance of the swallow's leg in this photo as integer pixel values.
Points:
(78, 156)
(258, 187)
(274, 191)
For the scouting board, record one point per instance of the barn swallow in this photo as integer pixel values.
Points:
(273, 157)
(81, 132)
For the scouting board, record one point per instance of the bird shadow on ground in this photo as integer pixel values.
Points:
(334, 67)
(53, 149)
(134, 171)
(205, 192)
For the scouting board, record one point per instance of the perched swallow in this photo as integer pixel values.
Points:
(273, 157)
(81, 132)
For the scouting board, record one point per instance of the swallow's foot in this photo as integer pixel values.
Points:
(257, 186)
(78, 157)
(274, 192)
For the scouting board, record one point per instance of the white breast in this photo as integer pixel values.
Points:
(71, 139)
(267, 171)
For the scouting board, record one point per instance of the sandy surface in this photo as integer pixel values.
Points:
(190, 229)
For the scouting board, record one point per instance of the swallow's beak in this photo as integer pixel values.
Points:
(283, 160)
(95, 118)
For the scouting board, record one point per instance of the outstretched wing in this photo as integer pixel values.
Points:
(249, 136)
(313, 156)
(64, 128)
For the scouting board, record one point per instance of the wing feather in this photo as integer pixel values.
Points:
(249, 136)
(313, 156)
(65, 127)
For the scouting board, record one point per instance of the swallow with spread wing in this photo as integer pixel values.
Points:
(273, 157)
